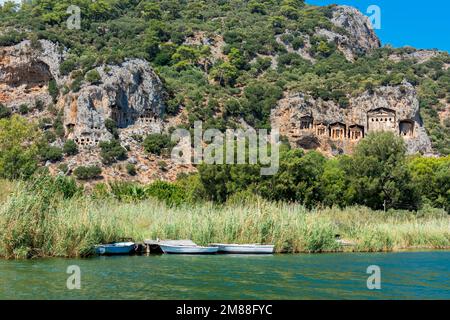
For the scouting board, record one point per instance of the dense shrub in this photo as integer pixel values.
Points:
(167, 192)
(158, 144)
(93, 76)
(53, 90)
(87, 173)
(23, 109)
(111, 126)
(70, 148)
(18, 147)
(5, 112)
(112, 151)
(51, 153)
(131, 169)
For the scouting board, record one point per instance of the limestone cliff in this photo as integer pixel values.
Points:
(359, 37)
(324, 125)
(25, 72)
(352, 33)
(131, 94)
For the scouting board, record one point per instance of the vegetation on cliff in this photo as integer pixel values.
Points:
(245, 66)
(378, 175)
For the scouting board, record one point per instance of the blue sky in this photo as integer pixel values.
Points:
(421, 24)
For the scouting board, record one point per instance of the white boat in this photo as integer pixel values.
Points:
(118, 248)
(190, 249)
(245, 248)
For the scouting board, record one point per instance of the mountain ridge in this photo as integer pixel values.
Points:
(228, 65)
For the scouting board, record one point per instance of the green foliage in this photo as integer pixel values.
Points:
(431, 176)
(93, 77)
(87, 173)
(225, 73)
(159, 144)
(111, 126)
(380, 173)
(18, 148)
(5, 112)
(50, 153)
(131, 169)
(170, 193)
(70, 148)
(53, 90)
(67, 66)
(112, 151)
(23, 109)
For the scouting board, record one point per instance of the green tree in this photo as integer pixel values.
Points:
(87, 173)
(50, 153)
(53, 90)
(112, 151)
(334, 183)
(431, 176)
(18, 147)
(297, 179)
(225, 73)
(158, 144)
(70, 148)
(93, 76)
(111, 126)
(380, 175)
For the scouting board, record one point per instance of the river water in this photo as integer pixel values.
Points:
(405, 275)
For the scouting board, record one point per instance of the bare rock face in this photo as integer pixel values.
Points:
(353, 35)
(131, 94)
(25, 72)
(419, 56)
(396, 109)
(359, 38)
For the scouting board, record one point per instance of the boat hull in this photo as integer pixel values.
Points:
(115, 249)
(245, 249)
(188, 249)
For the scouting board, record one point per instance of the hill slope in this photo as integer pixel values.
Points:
(227, 63)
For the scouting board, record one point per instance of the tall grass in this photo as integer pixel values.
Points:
(6, 187)
(40, 222)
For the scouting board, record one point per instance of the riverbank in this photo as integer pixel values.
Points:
(38, 222)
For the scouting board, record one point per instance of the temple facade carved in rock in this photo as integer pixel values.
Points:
(379, 119)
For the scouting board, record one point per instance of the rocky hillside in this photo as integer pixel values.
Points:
(139, 69)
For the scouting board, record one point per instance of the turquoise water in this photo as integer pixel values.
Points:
(406, 275)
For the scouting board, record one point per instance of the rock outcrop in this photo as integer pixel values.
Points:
(353, 35)
(359, 37)
(324, 125)
(25, 72)
(131, 94)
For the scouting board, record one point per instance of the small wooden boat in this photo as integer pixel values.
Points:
(176, 249)
(117, 248)
(245, 248)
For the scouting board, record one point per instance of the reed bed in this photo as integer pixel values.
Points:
(43, 224)
(6, 187)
